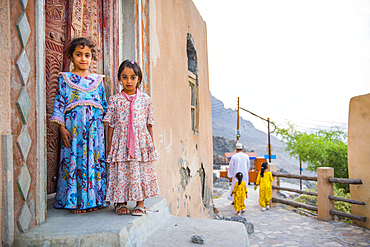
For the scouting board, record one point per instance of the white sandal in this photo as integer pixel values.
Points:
(118, 206)
(143, 211)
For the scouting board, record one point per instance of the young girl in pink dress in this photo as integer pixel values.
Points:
(132, 175)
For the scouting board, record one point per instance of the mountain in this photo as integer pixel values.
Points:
(254, 140)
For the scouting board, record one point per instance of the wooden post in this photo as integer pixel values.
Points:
(278, 181)
(324, 189)
(272, 168)
(300, 173)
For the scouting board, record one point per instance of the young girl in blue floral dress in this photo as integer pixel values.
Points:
(78, 110)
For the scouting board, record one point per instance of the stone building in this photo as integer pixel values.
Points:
(167, 38)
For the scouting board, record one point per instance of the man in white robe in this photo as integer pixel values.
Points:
(239, 163)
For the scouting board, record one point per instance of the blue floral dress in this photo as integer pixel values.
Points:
(79, 106)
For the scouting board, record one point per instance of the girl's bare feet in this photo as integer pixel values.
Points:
(78, 210)
(139, 204)
(121, 209)
(92, 209)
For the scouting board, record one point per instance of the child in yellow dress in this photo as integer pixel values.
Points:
(240, 189)
(264, 180)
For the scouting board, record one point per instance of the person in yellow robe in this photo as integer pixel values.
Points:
(264, 180)
(239, 191)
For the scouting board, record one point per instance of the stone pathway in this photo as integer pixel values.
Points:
(280, 227)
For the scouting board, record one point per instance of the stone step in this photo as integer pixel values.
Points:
(177, 231)
(105, 228)
(101, 228)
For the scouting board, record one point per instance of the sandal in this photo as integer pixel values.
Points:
(92, 209)
(143, 211)
(121, 206)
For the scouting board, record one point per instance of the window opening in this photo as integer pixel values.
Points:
(193, 82)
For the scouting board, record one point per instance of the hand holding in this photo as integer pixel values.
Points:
(64, 133)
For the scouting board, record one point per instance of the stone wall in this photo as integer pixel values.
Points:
(359, 155)
(184, 165)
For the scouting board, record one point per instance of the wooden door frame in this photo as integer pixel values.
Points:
(110, 45)
(41, 184)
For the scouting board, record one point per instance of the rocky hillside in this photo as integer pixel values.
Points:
(254, 140)
(222, 145)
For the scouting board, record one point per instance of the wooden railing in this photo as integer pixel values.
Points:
(325, 198)
(334, 198)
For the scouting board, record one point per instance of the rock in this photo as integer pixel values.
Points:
(215, 210)
(221, 184)
(249, 226)
(197, 239)
(219, 217)
(214, 177)
(237, 218)
(226, 180)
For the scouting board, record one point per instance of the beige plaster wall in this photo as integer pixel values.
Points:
(359, 154)
(179, 150)
(5, 112)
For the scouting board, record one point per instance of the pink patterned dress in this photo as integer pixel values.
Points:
(131, 179)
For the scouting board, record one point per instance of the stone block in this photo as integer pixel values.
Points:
(24, 219)
(23, 28)
(24, 142)
(23, 67)
(24, 104)
(24, 182)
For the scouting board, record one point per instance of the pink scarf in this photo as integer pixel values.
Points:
(130, 128)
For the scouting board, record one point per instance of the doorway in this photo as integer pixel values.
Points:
(65, 20)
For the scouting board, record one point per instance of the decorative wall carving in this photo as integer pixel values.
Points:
(23, 103)
(55, 13)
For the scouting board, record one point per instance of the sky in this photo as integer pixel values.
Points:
(296, 60)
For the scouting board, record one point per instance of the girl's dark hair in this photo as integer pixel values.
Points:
(80, 42)
(132, 65)
(264, 167)
(239, 176)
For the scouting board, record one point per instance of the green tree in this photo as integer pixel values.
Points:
(318, 149)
